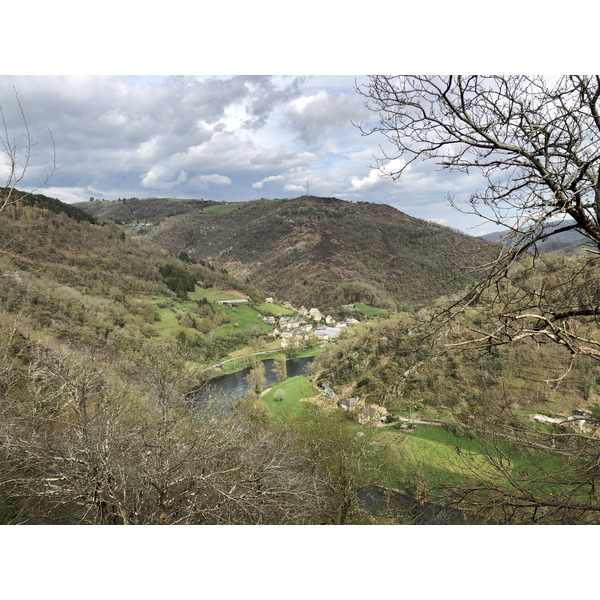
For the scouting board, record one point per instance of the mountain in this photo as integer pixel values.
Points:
(566, 242)
(311, 250)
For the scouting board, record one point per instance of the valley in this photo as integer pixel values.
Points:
(118, 327)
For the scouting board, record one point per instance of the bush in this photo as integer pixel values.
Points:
(279, 396)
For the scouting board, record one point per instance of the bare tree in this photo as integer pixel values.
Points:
(536, 144)
(75, 449)
(17, 158)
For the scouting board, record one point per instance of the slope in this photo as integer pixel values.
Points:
(324, 251)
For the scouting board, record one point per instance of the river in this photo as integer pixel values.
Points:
(229, 388)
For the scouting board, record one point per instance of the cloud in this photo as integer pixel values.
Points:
(140, 136)
(214, 178)
(316, 116)
(259, 184)
(364, 183)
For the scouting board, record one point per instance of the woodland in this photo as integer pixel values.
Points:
(486, 361)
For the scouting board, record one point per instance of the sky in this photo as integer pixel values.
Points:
(225, 138)
(141, 102)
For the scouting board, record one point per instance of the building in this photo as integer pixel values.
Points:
(348, 403)
(240, 301)
(315, 313)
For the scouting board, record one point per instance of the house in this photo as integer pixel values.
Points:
(352, 321)
(302, 310)
(300, 335)
(269, 320)
(315, 313)
(348, 403)
(273, 333)
(373, 413)
(322, 336)
(329, 320)
(581, 414)
(269, 300)
(285, 323)
(288, 340)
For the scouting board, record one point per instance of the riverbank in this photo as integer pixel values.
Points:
(230, 387)
(239, 363)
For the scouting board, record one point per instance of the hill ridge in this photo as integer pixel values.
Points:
(309, 249)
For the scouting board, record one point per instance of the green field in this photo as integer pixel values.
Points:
(211, 294)
(241, 316)
(268, 308)
(442, 456)
(168, 321)
(295, 388)
(221, 208)
(370, 311)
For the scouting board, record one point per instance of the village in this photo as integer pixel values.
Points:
(293, 331)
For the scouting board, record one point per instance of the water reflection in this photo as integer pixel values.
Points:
(231, 387)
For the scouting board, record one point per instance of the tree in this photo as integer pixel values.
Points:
(536, 144)
(74, 448)
(344, 461)
(18, 160)
(279, 367)
(279, 395)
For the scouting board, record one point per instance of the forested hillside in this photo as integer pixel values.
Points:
(98, 418)
(318, 251)
(106, 337)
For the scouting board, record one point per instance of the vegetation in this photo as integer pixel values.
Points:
(321, 251)
(285, 396)
(108, 332)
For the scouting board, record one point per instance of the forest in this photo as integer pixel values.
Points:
(467, 392)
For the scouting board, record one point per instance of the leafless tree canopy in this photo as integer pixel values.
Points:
(537, 145)
(15, 157)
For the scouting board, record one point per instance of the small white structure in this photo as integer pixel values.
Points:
(241, 301)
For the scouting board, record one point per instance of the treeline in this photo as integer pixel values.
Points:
(45, 202)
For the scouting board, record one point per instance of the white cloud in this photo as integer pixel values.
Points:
(365, 183)
(259, 184)
(214, 178)
(69, 195)
(139, 136)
